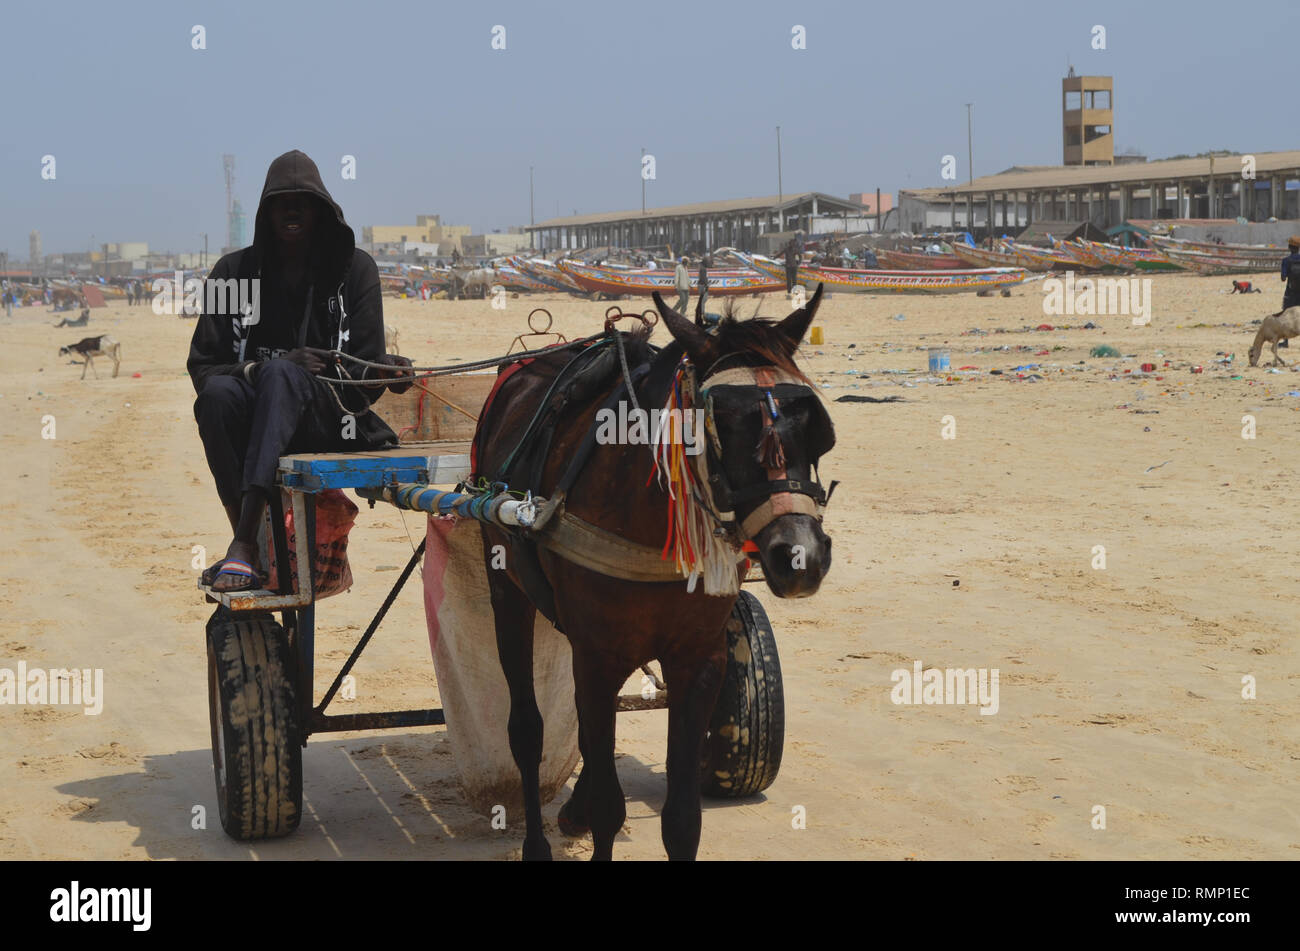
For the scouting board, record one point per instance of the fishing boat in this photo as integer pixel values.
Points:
(1081, 254)
(1043, 259)
(1204, 262)
(897, 282)
(549, 272)
(514, 279)
(1209, 258)
(722, 283)
(983, 257)
(1212, 247)
(912, 261)
(1130, 259)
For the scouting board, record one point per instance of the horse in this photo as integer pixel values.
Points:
(614, 626)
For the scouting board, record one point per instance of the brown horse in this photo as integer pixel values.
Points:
(614, 625)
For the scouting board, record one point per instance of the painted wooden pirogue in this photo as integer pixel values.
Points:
(912, 261)
(544, 273)
(1207, 258)
(1235, 250)
(1043, 259)
(898, 282)
(982, 257)
(1206, 263)
(1082, 254)
(722, 283)
(1130, 259)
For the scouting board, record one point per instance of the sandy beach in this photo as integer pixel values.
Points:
(1120, 687)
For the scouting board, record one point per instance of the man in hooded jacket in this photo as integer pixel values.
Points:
(261, 355)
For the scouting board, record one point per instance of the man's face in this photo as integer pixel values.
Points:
(292, 218)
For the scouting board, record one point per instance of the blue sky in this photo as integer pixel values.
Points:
(441, 123)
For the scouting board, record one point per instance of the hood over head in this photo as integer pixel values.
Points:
(334, 241)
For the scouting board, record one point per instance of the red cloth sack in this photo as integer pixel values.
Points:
(331, 573)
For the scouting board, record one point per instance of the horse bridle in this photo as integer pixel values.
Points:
(781, 495)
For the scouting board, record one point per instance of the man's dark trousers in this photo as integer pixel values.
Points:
(246, 428)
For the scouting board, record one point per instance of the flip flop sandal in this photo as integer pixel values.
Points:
(210, 573)
(240, 569)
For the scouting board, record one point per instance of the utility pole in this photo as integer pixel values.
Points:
(531, 234)
(205, 249)
(780, 190)
(642, 173)
(970, 152)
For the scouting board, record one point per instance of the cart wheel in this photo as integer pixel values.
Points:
(256, 743)
(742, 750)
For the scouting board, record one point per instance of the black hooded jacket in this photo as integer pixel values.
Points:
(346, 309)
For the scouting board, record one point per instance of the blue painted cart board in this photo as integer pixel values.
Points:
(437, 463)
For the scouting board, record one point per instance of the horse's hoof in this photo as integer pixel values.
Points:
(573, 828)
(539, 851)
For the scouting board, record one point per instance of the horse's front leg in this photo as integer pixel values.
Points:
(600, 801)
(692, 693)
(513, 615)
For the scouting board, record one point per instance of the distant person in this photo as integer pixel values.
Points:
(1291, 274)
(704, 281)
(682, 281)
(846, 257)
(9, 302)
(791, 265)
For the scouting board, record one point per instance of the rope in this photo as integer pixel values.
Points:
(627, 374)
(417, 373)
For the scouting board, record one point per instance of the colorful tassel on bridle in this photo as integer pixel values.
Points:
(695, 549)
(770, 454)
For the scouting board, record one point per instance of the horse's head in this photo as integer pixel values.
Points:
(766, 430)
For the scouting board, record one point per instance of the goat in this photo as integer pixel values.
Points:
(1275, 328)
(91, 347)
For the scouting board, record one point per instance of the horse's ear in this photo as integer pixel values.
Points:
(796, 325)
(695, 341)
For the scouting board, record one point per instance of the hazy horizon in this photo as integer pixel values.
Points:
(441, 123)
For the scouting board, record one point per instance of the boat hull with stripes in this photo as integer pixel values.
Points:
(722, 283)
(900, 282)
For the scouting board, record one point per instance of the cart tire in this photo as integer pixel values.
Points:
(742, 749)
(256, 741)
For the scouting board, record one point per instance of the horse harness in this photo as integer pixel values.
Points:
(596, 549)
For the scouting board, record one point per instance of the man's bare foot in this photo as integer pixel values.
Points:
(231, 578)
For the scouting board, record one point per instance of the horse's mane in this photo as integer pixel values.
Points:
(762, 338)
(761, 341)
